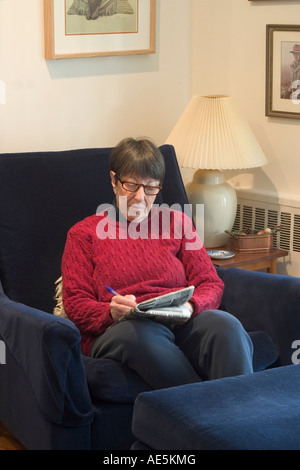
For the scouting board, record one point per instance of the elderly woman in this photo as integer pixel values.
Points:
(99, 251)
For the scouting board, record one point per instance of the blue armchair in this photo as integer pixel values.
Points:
(52, 396)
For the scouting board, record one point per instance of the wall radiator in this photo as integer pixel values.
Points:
(254, 213)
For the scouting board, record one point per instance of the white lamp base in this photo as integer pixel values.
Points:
(220, 204)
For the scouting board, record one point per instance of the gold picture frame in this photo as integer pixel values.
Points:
(94, 28)
(283, 71)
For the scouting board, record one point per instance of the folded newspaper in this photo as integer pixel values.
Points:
(166, 308)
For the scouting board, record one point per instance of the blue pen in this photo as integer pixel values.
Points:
(113, 292)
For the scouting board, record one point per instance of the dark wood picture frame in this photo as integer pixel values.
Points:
(283, 71)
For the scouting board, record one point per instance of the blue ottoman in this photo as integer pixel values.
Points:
(260, 411)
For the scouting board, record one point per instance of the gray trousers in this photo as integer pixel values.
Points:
(209, 346)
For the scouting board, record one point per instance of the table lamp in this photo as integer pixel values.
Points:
(211, 136)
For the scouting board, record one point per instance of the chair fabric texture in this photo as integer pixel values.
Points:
(252, 412)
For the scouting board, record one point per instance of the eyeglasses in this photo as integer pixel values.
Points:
(133, 187)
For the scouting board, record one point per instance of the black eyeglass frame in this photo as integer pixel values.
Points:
(138, 185)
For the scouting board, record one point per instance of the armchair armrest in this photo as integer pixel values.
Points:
(48, 350)
(267, 302)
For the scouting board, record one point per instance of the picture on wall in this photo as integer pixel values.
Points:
(100, 17)
(283, 71)
(90, 28)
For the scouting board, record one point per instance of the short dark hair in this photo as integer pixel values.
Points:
(138, 157)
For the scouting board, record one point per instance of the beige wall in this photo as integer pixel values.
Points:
(228, 57)
(203, 46)
(84, 102)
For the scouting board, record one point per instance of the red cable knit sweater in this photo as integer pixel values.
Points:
(146, 260)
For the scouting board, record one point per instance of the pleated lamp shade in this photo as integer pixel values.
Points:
(211, 134)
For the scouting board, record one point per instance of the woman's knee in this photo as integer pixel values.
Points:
(219, 323)
(231, 334)
(218, 320)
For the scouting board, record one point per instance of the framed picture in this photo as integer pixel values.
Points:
(91, 28)
(283, 71)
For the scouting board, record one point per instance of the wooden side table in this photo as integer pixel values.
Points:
(253, 261)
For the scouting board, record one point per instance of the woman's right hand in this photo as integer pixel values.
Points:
(120, 305)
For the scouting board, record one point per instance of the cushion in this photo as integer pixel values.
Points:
(58, 297)
(249, 412)
(265, 352)
(112, 381)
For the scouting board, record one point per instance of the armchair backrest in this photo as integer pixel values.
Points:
(42, 195)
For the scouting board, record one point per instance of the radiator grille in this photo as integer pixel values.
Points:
(247, 217)
(296, 233)
(272, 221)
(285, 231)
(260, 218)
(258, 215)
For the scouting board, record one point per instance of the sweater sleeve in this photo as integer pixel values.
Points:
(90, 315)
(200, 271)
